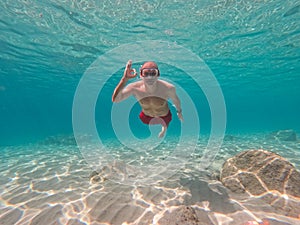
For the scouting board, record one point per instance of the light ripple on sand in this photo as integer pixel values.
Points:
(50, 184)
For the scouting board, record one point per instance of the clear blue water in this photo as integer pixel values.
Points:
(252, 48)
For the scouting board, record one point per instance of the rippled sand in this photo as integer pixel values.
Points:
(50, 184)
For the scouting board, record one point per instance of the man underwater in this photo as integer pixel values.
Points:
(151, 93)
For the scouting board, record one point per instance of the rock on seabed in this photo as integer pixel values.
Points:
(283, 135)
(266, 174)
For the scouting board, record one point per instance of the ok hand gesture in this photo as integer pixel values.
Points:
(129, 72)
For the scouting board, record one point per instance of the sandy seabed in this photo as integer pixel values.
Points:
(50, 183)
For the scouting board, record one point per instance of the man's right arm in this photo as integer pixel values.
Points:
(120, 92)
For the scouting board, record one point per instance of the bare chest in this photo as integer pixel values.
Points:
(153, 101)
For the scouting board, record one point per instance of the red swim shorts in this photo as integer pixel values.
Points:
(163, 120)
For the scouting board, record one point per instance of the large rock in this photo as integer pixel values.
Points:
(259, 171)
(265, 174)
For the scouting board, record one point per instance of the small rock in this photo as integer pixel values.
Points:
(184, 215)
(229, 137)
(283, 135)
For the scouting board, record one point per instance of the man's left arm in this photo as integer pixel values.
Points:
(173, 96)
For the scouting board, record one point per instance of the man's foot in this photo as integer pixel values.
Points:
(163, 131)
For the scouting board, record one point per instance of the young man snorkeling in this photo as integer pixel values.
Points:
(151, 93)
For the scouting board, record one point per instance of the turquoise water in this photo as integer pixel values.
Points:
(251, 47)
(247, 50)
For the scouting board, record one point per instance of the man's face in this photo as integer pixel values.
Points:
(149, 75)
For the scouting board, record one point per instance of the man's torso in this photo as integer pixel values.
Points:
(155, 104)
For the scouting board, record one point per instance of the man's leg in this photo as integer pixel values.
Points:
(163, 131)
(165, 123)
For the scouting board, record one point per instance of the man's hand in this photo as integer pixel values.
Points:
(120, 93)
(129, 72)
